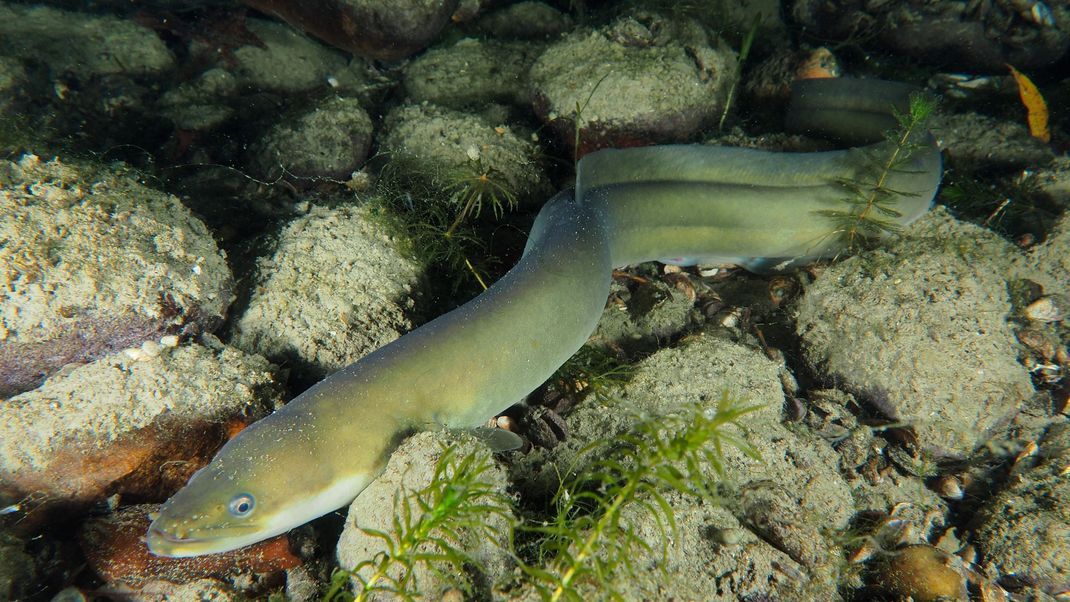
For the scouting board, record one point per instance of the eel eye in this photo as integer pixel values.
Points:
(241, 505)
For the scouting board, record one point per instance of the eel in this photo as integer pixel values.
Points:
(759, 209)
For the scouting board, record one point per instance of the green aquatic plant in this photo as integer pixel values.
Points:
(870, 205)
(744, 52)
(584, 540)
(436, 206)
(471, 186)
(577, 121)
(1013, 206)
(593, 370)
(428, 529)
(588, 540)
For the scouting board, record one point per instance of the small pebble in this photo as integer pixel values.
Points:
(921, 573)
(170, 340)
(728, 537)
(708, 272)
(70, 594)
(150, 349)
(949, 487)
(820, 63)
(1038, 341)
(1049, 308)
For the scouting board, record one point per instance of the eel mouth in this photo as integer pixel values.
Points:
(164, 543)
(174, 541)
(160, 534)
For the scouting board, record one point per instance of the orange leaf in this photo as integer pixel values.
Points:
(1036, 108)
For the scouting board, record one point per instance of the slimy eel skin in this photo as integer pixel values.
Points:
(759, 209)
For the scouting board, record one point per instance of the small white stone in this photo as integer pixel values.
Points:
(731, 319)
(150, 349)
(170, 340)
(708, 272)
(1049, 308)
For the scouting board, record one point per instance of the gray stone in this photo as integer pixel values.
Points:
(81, 44)
(331, 140)
(920, 330)
(452, 147)
(472, 73)
(633, 82)
(410, 469)
(772, 523)
(336, 288)
(92, 262)
(1025, 530)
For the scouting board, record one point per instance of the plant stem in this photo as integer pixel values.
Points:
(871, 200)
(475, 274)
(596, 533)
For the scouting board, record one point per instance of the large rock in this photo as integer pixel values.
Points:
(92, 262)
(329, 141)
(410, 470)
(115, 550)
(81, 45)
(462, 151)
(336, 288)
(1024, 531)
(472, 73)
(632, 83)
(118, 424)
(382, 30)
(920, 330)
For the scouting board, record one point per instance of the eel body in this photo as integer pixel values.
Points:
(758, 209)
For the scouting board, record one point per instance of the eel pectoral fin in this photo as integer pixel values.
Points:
(498, 440)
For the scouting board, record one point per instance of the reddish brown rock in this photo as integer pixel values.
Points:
(143, 463)
(136, 424)
(115, 549)
(380, 30)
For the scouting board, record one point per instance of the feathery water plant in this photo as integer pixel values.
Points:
(589, 540)
(471, 186)
(870, 204)
(436, 206)
(428, 528)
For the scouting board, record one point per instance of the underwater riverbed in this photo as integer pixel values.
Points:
(207, 207)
